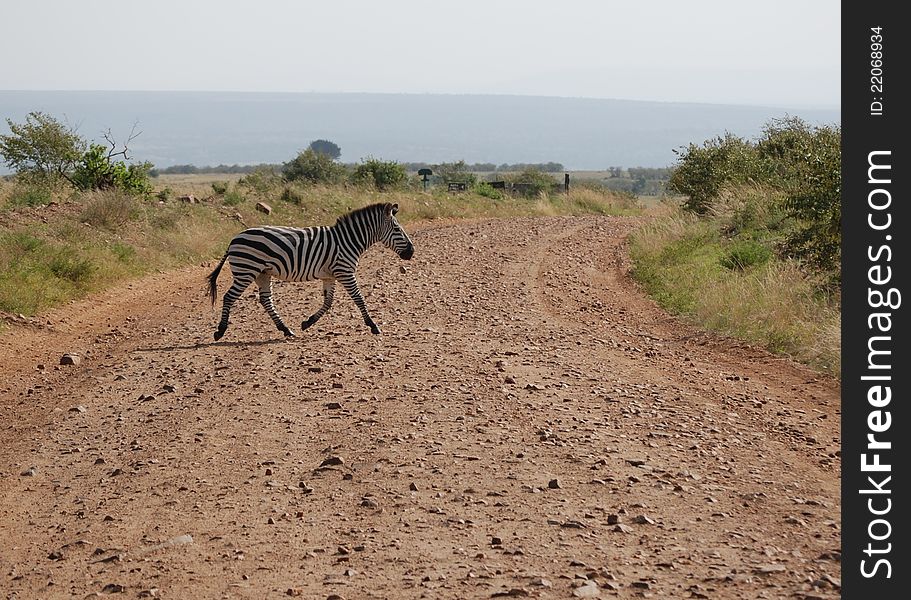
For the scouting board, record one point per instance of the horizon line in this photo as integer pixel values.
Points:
(801, 106)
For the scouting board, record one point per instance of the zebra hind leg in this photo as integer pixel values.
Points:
(241, 282)
(264, 281)
(328, 295)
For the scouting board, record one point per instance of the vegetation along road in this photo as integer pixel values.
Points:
(527, 424)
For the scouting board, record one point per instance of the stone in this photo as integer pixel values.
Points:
(588, 590)
(264, 208)
(71, 359)
(332, 461)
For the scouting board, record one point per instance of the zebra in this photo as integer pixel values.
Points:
(304, 254)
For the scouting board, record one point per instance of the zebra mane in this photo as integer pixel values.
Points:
(379, 207)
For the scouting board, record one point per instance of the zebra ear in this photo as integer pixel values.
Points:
(395, 209)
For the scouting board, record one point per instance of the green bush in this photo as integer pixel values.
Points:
(535, 182)
(313, 167)
(808, 162)
(261, 180)
(233, 198)
(381, 174)
(488, 191)
(220, 187)
(744, 254)
(97, 170)
(454, 172)
(702, 172)
(798, 162)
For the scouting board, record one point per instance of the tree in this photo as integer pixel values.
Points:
(326, 147)
(42, 146)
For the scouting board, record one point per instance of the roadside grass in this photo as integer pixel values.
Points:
(722, 274)
(89, 241)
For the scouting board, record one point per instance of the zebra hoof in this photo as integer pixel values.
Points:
(306, 324)
(288, 333)
(374, 330)
(218, 335)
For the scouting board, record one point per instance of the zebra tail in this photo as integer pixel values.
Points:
(213, 276)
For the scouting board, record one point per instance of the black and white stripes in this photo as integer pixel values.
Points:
(304, 254)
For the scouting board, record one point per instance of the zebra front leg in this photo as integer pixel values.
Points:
(349, 282)
(264, 281)
(328, 295)
(241, 282)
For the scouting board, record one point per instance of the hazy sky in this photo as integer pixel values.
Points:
(781, 53)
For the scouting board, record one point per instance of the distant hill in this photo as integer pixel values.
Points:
(210, 128)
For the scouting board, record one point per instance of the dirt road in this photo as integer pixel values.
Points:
(528, 424)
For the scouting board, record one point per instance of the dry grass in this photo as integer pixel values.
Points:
(678, 259)
(95, 239)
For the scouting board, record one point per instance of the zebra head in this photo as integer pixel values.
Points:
(392, 235)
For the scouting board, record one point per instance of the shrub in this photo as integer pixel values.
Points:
(165, 194)
(808, 161)
(220, 187)
(744, 254)
(535, 182)
(381, 174)
(455, 172)
(703, 171)
(97, 170)
(261, 180)
(313, 167)
(488, 191)
(799, 162)
(233, 198)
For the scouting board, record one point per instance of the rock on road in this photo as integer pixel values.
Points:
(528, 424)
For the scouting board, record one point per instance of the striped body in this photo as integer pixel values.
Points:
(286, 253)
(304, 254)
